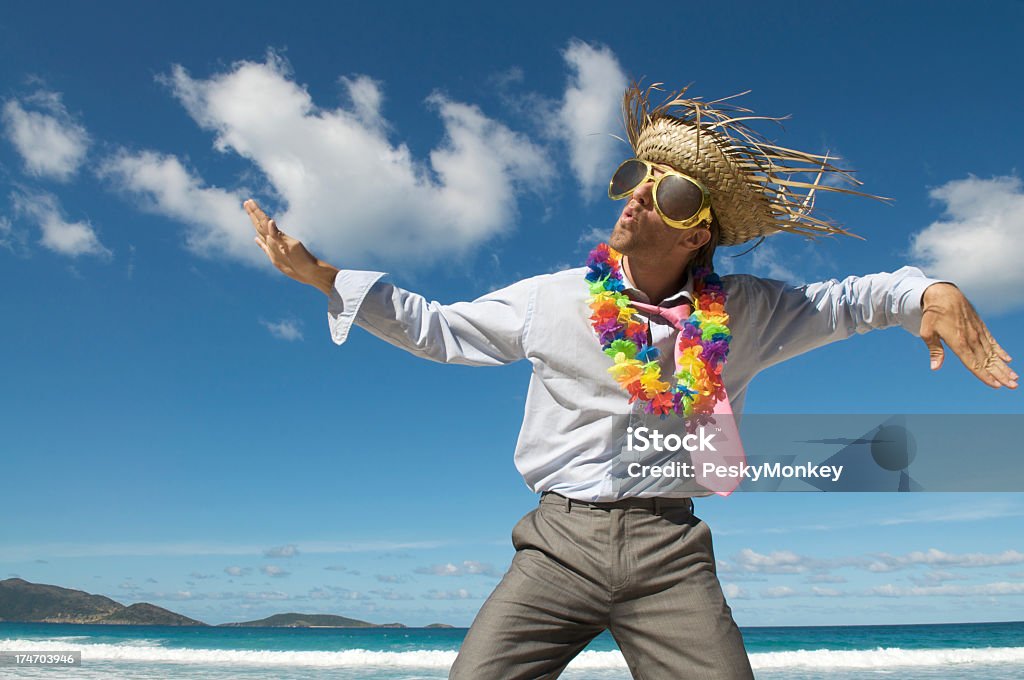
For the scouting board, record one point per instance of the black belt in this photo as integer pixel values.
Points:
(655, 505)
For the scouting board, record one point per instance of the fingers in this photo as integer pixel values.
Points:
(955, 322)
(976, 359)
(993, 364)
(264, 225)
(1001, 372)
(999, 350)
(259, 218)
(990, 360)
(983, 356)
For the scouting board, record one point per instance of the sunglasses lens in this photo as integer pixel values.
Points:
(679, 198)
(627, 177)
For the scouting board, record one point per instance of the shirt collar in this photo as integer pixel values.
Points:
(684, 293)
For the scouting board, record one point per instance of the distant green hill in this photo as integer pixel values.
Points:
(145, 614)
(25, 602)
(293, 620)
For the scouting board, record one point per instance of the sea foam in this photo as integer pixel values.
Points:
(880, 658)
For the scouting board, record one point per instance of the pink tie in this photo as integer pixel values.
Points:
(729, 448)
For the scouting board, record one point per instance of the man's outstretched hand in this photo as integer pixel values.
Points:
(287, 253)
(949, 317)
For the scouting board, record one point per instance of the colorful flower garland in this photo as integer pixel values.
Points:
(702, 346)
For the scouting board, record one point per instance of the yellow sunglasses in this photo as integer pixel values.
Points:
(682, 201)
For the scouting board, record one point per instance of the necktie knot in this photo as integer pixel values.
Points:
(676, 316)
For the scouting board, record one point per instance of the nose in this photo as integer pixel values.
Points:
(642, 193)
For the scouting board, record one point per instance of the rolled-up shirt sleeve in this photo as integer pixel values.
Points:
(488, 331)
(797, 319)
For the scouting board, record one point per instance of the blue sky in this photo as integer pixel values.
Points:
(177, 427)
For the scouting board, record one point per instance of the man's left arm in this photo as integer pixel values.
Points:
(793, 320)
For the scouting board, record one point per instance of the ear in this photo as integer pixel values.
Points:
(695, 238)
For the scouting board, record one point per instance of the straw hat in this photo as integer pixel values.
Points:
(756, 188)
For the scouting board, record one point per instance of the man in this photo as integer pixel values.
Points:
(604, 549)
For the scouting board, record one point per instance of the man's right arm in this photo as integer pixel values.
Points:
(488, 331)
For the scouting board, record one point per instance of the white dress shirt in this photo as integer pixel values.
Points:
(571, 440)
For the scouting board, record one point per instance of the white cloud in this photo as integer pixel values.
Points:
(590, 112)
(983, 589)
(290, 550)
(350, 192)
(346, 594)
(286, 329)
(594, 235)
(987, 511)
(778, 592)
(392, 578)
(217, 223)
(448, 569)
(460, 594)
(468, 567)
(320, 594)
(937, 558)
(50, 142)
(763, 260)
(342, 568)
(237, 571)
(182, 595)
(316, 547)
(825, 578)
(778, 562)
(366, 96)
(931, 578)
(768, 262)
(59, 235)
(7, 235)
(391, 595)
(479, 568)
(734, 592)
(274, 570)
(977, 242)
(27, 551)
(273, 596)
(826, 592)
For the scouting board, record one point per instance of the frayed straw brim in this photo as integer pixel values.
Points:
(756, 187)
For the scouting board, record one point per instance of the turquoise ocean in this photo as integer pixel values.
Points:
(989, 651)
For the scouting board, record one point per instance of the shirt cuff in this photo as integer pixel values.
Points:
(347, 294)
(907, 299)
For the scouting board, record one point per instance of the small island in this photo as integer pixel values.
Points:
(293, 620)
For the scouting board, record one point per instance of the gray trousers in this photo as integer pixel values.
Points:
(642, 568)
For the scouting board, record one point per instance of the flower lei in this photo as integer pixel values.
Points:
(703, 342)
